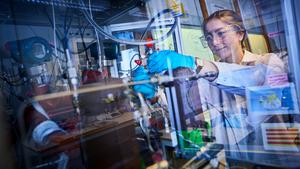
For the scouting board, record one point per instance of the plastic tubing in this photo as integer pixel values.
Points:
(129, 42)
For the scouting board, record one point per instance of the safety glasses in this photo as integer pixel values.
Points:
(220, 34)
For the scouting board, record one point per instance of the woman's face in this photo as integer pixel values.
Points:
(223, 40)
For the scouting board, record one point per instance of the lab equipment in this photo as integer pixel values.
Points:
(103, 32)
(30, 51)
(31, 56)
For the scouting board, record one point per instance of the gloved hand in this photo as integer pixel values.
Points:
(158, 61)
(147, 89)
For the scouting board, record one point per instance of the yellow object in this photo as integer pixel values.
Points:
(194, 45)
(176, 6)
(258, 44)
(161, 165)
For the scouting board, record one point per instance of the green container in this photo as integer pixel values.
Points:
(191, 141)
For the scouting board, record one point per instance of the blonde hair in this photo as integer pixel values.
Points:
(229, 17)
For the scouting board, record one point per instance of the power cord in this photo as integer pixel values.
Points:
(230, 125)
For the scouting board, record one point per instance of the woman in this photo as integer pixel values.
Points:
(225, 33)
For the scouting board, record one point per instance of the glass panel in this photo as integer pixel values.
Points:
(273, 21)
(253, 103)
(65, 97)
(193, 40)
(214, 5)
(98, 84)
(249, 14)
(192, 13)
(194, 43)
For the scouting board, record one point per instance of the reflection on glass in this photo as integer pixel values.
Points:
(227, 100)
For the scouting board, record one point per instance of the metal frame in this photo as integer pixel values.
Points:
(178, 37)
(139, 24)
(263, 27)
(292, 27)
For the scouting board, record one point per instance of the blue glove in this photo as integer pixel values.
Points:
(158, 61)
(147, 89)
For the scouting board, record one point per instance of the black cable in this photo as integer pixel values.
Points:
(66, 29)
(226, 119)
(110, 36)
(230, 125)
(65, 22)
(153, 19)
(83, 42)
(62, 40)
(69, 25)
(130, 65)
(73, 52)
(57, 32)
(85, 49)
(221, 112)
